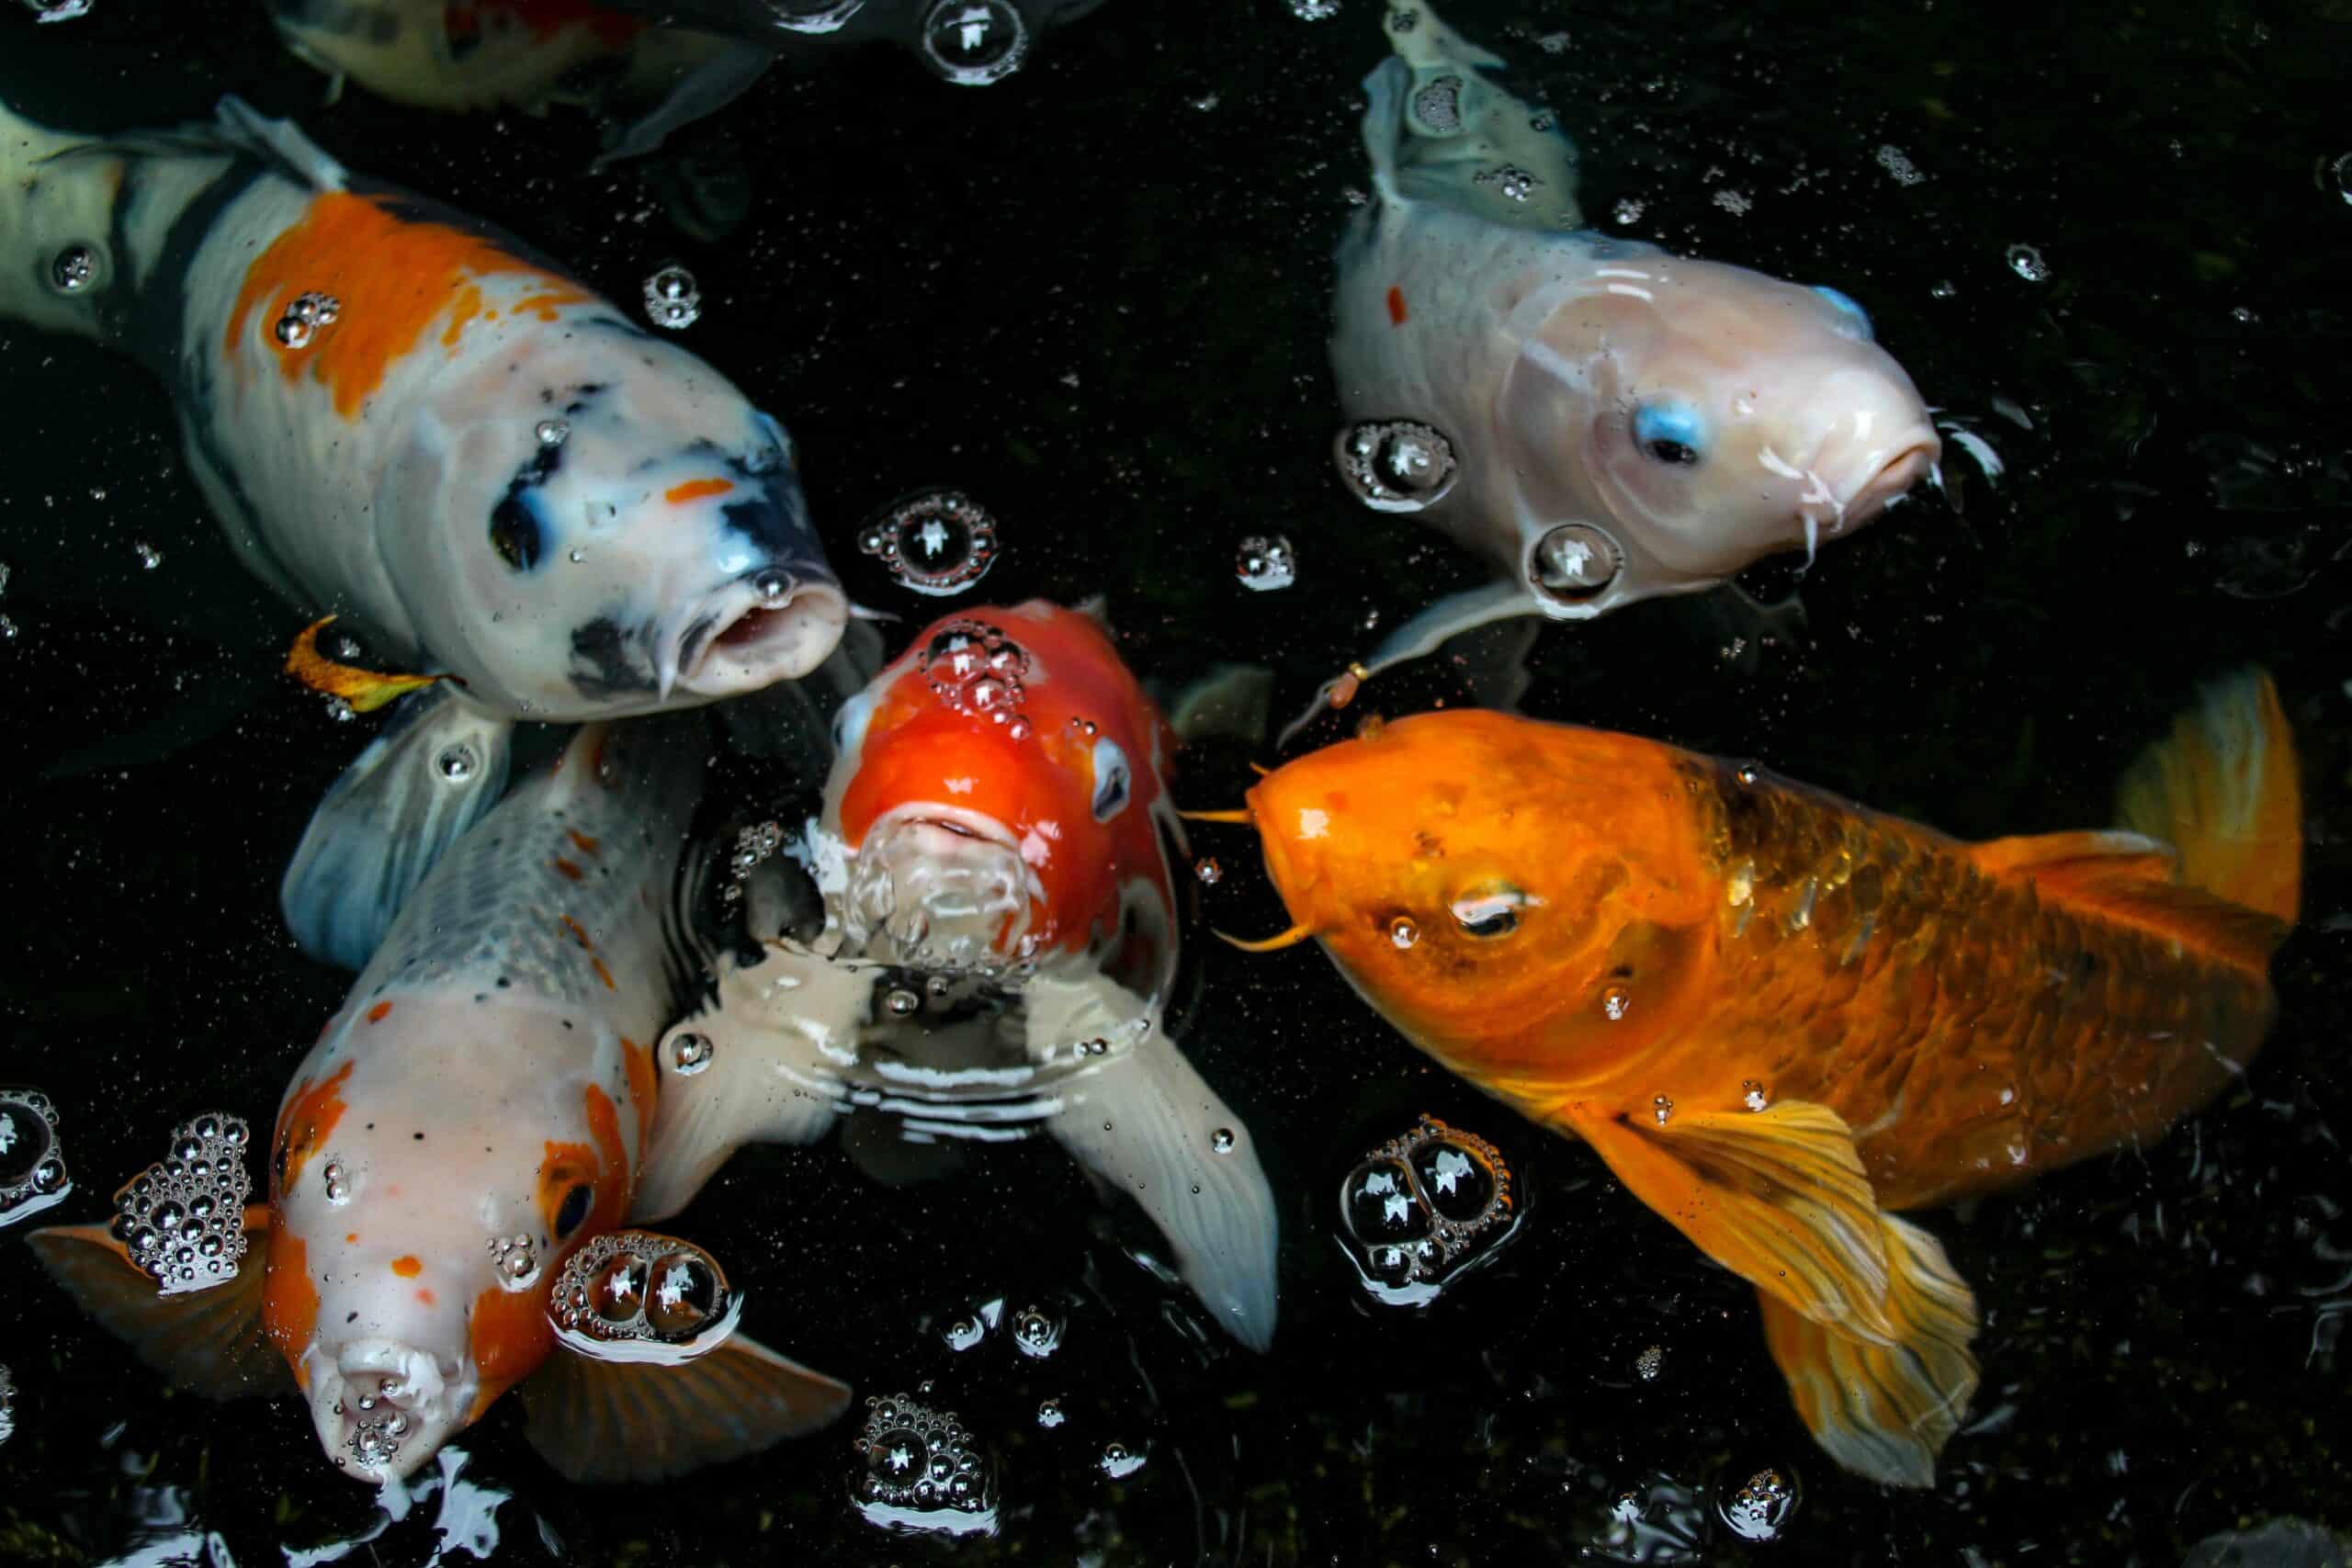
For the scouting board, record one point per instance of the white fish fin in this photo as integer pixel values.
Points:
(1232, 701)
(1427, 631)
(704, 90)
(279, 141)
(388, 819)
(1143, 1119)
(640, 1421)
(208, 1342)
(778, 1038)
(1383, 121)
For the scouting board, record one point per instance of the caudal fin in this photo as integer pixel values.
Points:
(2223, 790)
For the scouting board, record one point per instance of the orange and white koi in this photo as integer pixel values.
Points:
(1613, 423)
(1778, 1016)
(474, 1115)
(996, 835)
(403, 417)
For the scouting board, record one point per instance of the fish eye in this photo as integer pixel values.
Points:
(1670, 431)
(1110, 779)
(1488, 912)
(514, 533)
(573, 1211)
(1845, 303)
(849, 723)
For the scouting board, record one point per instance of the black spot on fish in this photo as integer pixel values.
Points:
(514, 533)
(779, 529)
(607, 660)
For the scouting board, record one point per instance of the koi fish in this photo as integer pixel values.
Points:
(527, 54)
(1778, 1016)
(993, 860)
(474, 1115)
(403, 417)
(1604, 421)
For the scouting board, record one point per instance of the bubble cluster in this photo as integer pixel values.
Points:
(813, 15)
(672, 298)
(516, 1259)
(641, 1296)
(974, 43)
(1263, 562)
(305, 316)
(149, 556)
(73, 268)
(1513, 182)
(920, 1469)
(182, 1220)
(754, 845)
(937, 542)
(1395, 465)
(1760, 1509)
(1574, 561)
(976, 668)
(8, 1406)
(1437, 106)
(32, 1165)
(1650, 1362)
(1421, 1211)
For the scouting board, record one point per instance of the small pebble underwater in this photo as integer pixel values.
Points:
(1060, 1231)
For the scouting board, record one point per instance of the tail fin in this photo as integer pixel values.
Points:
(2223, 789)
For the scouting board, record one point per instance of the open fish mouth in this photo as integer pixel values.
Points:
(382, 1409)
(778, 623)
(1892, 482)
(940, 886)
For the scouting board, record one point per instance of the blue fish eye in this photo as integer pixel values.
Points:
(1845, 302)
(1671, 430)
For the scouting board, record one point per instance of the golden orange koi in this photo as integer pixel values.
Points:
(1778, 1015)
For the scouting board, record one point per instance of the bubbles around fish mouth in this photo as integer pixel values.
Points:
(382, 1409)
(937, 886)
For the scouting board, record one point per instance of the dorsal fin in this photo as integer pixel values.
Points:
(2128, 877)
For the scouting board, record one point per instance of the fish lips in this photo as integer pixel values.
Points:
(775, 623)
(382, 1409)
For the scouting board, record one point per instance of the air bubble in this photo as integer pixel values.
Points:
(1662, 1109)
(689, 1054)
(1208, 870)
(1119, 1462)
(638, 1296)
(1436, 108)
(32, 1167)
(192, 1204)
(936, 542)
(1650, 1362)
(1263, 562)
(918, 1470)
(1399, 465)
(1036, 1332)
(76, 267)
(1762, 1506)
(1049, 1414)
(304, 316)
(1574, 561)
(552, 431)
(1403, 932)
(516, 1259)
(1221, 1140)
(1511, 182)
(903, 1003)
(2337, 175)
(1616, 1002)
(1314, 10)
(672, 298)
(149, 556)
(1424, 1209)
(2026, 263)
(974, 43)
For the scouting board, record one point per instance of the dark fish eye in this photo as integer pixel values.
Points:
(514, 533)
(1488, 912)
(574, 1212)
(1670, 431)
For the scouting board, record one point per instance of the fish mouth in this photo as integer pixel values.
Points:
(1890, 482)
(382, 1408)
(778, 623)
(940, 886)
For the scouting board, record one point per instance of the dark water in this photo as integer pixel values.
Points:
(1095, 298)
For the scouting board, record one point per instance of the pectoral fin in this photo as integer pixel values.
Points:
(432, 773)
(1864, 1315)
(777, 1041)
(1885, 1410)
(1425, 633)
(1142, 1119)
(595, 1420)
(209, 1342)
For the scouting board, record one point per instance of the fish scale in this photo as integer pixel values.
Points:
(1931, 1016)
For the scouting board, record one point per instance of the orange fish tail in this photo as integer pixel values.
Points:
(2224, 790)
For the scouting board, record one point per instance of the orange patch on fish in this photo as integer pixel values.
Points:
(407, 1266)
(289, 1302)
(588, 846)
(393, 278)
(694, 489)
(569, 868)
(643, 1086)
(577, 931)
(426, 1297)
(602, 973)
(1396, 313)
(377, 1014)
(507, 1334)
(307, 1120)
